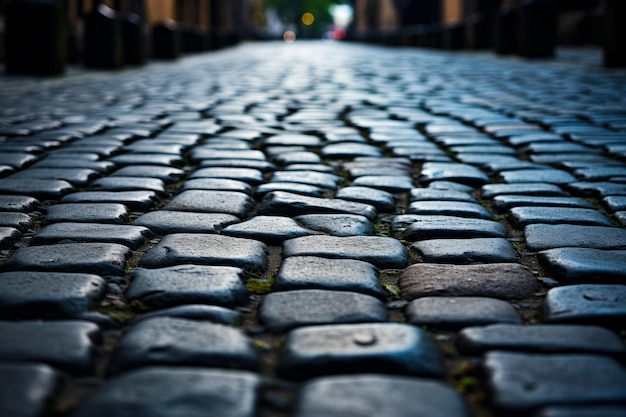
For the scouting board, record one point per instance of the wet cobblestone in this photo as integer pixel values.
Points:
(304, 230)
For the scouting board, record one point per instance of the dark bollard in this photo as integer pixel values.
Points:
(615, 33)
(479, 31)
(537, 29)
(166, 42)
(103, 39)
(35, 37)
(134, 40)
(506, 30)
(193, 39)
(454, 36)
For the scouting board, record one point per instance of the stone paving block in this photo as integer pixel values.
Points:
(72, 161)
(461, 173)
(600, 173)
(255, 164)
(547, 236)
(521, 217)
(20, 221)
(309, 272)
(282, 311)
(293, 140)
(290, 187)
(128, 184)
(503, 281)
(552, 380)
(42, 189)
(375, 170)
(392, 348)
(19, 203)
(147, 159)
(188, 284)
(427, 194)
(168, 392)
(272, 230)
(89, 258)
(310, 167)
(382, 252)
(526, 189)
(548, 176)
(8, 237)
(202, 152)
(131, 236)
(49, 295)
(434, 227)
(449, 208)
(540, 338)
(597, 189)
(217, 184)
(459, 312)
(181, 342)
(615, 203)
(486, 250)
(112, 213)
(349, 150)
(134, 200)
(215, 314)
(503, 203)
(17, 160)
(389, 183)
(26, 389)
(582, 411)
(317, 179)
(383, 201)
(291, 204)
(337, 224)
(168, 175)
(575, 265)
(247, 175)
(202, 249)
(78, 177)
(66, 345)
(380, 395)
(604, 305)
(227, 202)
(166, 222)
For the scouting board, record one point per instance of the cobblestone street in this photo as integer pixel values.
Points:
(315, 229)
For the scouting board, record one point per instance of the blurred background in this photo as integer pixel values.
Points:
(42, 36)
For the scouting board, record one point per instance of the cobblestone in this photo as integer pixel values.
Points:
(352, 229)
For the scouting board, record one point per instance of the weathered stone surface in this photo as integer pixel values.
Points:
(20, 221)
(487, 250)
(309, 272)
(504, 281)
(349, 150)
(290, 204)
(461, 173)
(540, 338)
(449, 208)
(131, 236)
(134, 200)
(290, 187)
(215, 314)
(269, 229)
(169, 392)
(168, 175)
(392, 348)
(552, 379)
(572, 265)
(383, 201)
(19, 203)
(503, 203)
(173, 341)
(49, 295)
(128, 184)
(201, 249)
(166, 222)
(382, 252)
(68, 344)
(459, 312)
(604, 305)
(523, 216)
(380, 395)
(255, 164)
(217, 184)
(314, 178)
(427, 194)
(615, 202)
(227, 202)
(188, 284)
(26, 389)
(420, 227)
(526, 189)
(8, 237)
(293, 140)
(545, 236)
(112, 213)
(78, 177)
(282, 311)
(548, 176)
(582, 411)
(338, 224)
(597, 189)
(89, 258)
(247, 175)
(389, 183)
(42, 189)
